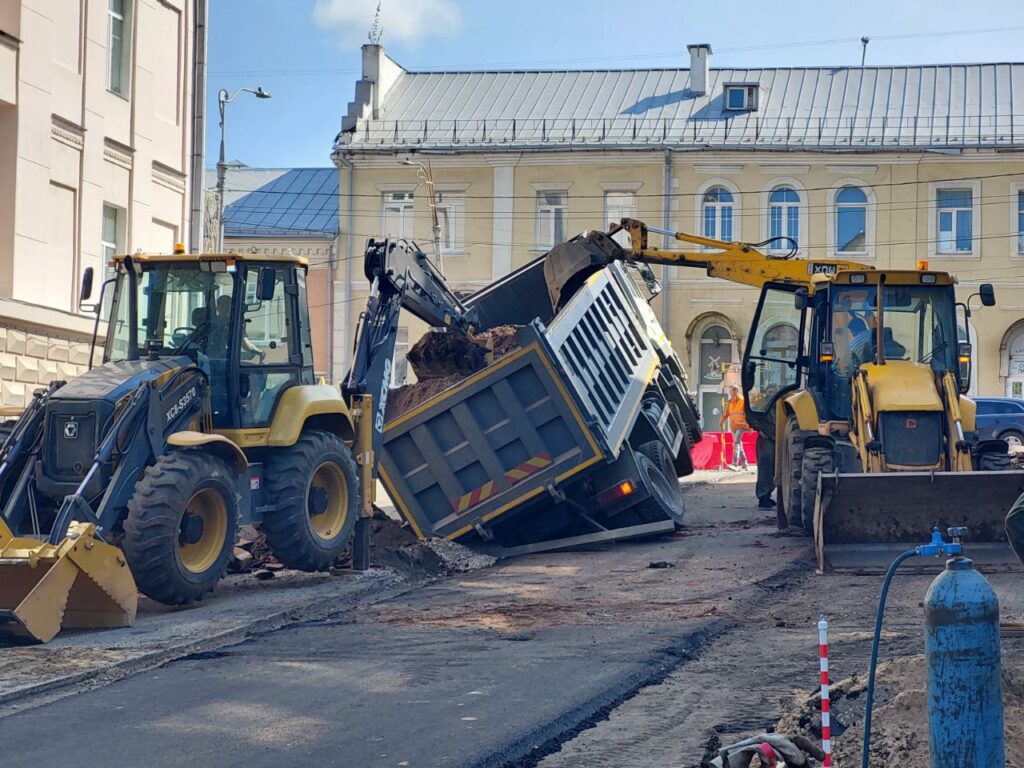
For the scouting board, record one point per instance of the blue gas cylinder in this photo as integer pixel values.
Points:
(965, 699)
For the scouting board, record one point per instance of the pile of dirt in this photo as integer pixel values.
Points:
(442, 359)
(394, 545)
(899, 725)
(251, 553)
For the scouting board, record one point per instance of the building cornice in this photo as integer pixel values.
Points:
(67, 133)
(118, 154)
(168, 178)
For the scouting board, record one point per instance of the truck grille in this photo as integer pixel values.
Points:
(912, 438)
(607, 355)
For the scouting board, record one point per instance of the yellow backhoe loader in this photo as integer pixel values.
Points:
(860, 374)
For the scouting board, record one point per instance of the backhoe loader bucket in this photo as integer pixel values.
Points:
(862, 521)
(81, 582)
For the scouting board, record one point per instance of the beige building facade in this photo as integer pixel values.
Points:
(887, 166)
(95, 147)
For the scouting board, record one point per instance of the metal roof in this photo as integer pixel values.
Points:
(827, 108)
(299, 203)
(240, 179)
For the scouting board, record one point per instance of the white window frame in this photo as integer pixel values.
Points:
(545, 241)
(1016, 200)
(750, 93)
(869, 220)
(802, 206)
(453, 236)
(737, 207)
(933, 219)
(110, 248)
(123, 87)
(614, 212)
(405, 208)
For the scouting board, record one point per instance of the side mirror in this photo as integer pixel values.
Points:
(987, 294)
(964, 357)
(749, 368)
(86, 292)
(800, 299)
(265, 284)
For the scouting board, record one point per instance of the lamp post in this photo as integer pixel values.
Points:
(425, 174)
(223, 99)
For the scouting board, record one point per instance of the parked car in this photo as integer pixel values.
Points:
(1001, 417)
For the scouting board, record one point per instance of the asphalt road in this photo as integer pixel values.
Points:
(587, 658)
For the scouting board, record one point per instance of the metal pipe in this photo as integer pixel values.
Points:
(198, 189)
(666, 242)
(879, 321)
(346, 362)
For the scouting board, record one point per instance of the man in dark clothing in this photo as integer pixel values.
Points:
(765, 450)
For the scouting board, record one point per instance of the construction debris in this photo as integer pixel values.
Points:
(900, 719)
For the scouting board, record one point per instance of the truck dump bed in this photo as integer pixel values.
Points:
(488, 445)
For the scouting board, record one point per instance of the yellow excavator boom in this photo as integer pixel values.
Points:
(737, 262)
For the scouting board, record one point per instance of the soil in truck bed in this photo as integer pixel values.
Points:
(442, 360)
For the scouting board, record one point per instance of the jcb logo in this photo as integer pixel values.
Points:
(71, 430)
(819, 268)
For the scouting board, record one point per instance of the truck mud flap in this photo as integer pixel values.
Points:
(660, 528)
(863, 521)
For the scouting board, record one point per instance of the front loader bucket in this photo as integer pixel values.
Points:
(81, 582)
(862, 521)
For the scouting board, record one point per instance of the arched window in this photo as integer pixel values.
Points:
(717, 213)
(1014, 362)
(851, 220)
(783, 216)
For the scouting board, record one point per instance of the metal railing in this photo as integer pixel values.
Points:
(746, 129)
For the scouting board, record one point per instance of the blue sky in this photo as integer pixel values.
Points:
(306, 52)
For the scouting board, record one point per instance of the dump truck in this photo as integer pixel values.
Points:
(577, 437)
(861, 376)
(203, 415)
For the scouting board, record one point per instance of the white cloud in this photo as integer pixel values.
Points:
(406, 21)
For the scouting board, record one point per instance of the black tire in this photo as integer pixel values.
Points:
(175, 560)
(659, 456)
(665, 501)
(318, 470)
(1007, 435)
(817, 459)
(995, 462)
(792, 470)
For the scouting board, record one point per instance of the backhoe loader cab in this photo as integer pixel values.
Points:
(203, 416)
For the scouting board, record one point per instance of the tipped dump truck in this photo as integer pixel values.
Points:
(578, 436)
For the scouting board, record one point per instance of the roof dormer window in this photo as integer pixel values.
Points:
(741, 97)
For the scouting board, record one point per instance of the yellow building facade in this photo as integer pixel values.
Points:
(506, 188)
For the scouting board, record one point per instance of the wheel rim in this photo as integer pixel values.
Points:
(1013, 441)
(202, 530)
(327, 500)
(662, 489)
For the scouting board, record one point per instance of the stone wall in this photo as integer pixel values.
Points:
(31, 360)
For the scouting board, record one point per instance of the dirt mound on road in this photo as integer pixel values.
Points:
(899, 725)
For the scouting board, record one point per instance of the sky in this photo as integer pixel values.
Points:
(306, 53)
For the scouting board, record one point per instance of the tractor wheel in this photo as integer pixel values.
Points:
(181, 526)
(314, 486)
(817, 459)
(995, 462)
(666, 499)
(659, 456)
(792, 469)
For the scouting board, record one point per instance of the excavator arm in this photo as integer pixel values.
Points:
(737, 262)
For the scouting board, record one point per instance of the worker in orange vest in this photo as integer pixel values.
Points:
(737, 420)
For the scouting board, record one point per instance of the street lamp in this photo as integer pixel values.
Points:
(223, 99)
(425, 174)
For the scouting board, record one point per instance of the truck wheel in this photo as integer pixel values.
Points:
(314, 486)
(1014, 438)
(995, 462)
(817, 459)
(659, 456)
(792, 469)
(666, 499)
(181, 526)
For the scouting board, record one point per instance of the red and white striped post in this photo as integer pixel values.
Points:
(826, 714)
